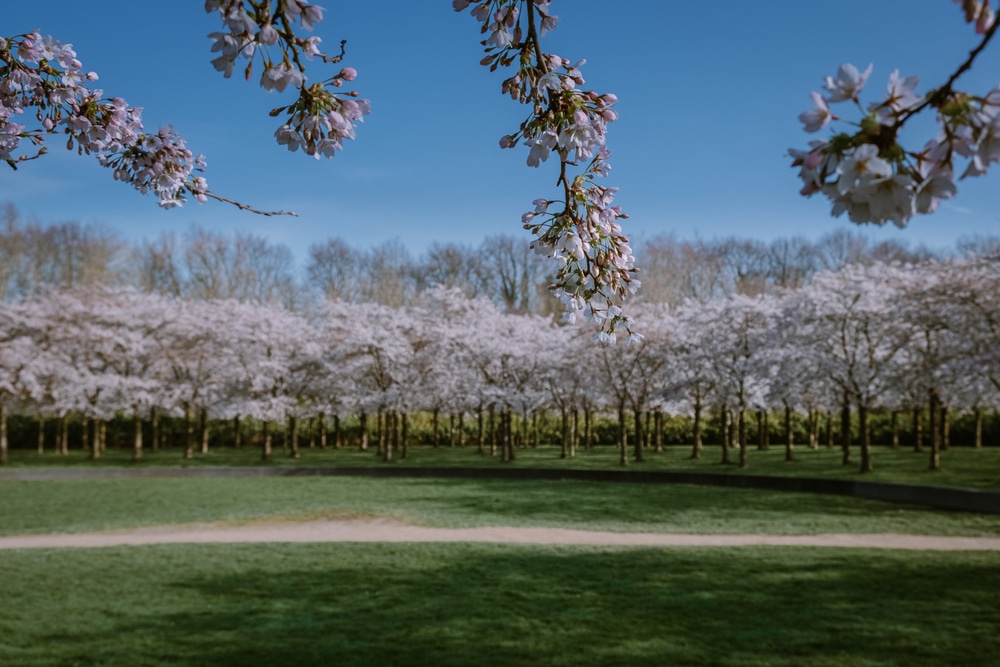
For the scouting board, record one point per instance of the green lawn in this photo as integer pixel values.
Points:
(961, 466)
(75, 506)
(484, 605)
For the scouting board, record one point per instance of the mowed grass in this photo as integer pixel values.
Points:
(37, 507)
(966, 467)
(502, 605)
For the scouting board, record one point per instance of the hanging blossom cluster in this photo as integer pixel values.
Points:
(323, 116)
(581, 229)
(43, 77)
(866, 172)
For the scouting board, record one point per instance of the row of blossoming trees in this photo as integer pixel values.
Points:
(884, 337)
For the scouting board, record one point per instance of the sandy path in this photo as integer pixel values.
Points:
(387, 530)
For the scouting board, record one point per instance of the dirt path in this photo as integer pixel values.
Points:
(386, 530)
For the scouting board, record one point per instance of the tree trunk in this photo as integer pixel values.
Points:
(724, 431)
(829, 429)
(696, 447)
(658, 431)
(814, 429)
(945, 428)
(480, 431)
(390, 426)
(84, 434)
(311, 430)
(865, 438)
(918, 431)
(203, 428)
(154, 430)
(293, 436)
(436, 427)
(380, 431)
(622, 436)
(63, 426)
(188, 433)
(404, 445)
(493, 433)
(265, 454)
(789, 434)
(461, 429)
(321, 424)
(564, 431)
(95, 441)
(741, 433)
(102, 434)
(363, 418)
(4, 448)
(136, 438)
(935, 429)
(337, 444)
(588, 430)
(845, 431)
(451, 429)
(978, 427)
(760, 430)
(640, 437)
(41, 434)
(237, 433)
(895, 429)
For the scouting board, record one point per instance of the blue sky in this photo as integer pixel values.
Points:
(709, 97)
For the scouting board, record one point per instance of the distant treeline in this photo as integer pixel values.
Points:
(200, 264)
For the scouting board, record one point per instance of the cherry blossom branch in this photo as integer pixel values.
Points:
(580, 231)
(867, 173)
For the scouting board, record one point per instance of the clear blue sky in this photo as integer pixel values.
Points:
(709, 98)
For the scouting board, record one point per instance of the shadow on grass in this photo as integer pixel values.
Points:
(484, 605)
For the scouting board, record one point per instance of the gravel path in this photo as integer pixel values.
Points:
(387, 530)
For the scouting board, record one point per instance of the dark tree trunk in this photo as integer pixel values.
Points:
(978, 413)
(311, 430)
(696, 447)
(724, 432)
(865, 438)
(789, 434)
(452, 434)
(480, 431)
(204, 430)
(588, 430)
(41, 435)
(404, 442)
(918, 431)
(390, 426)
(845, 431)
(363, 444)
(945, 428)
(935, 429)
(622, 435)
(829, 429)
(814, 429)
(658, 431)
(436, 427)
(321, 425)
(293, 436)
(63, 426)
(640, 437)
(265, 454)
(895, 429)
(136, 438)
(493, 432)
(564, 431)
(461, 429)
(154, 430)
(4, 447)
(761, 429)
(84, 434)
(574, 433)
(741, 433)
(95, 440)
(188, 433)
(337, 443)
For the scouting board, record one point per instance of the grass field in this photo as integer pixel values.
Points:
(76, 506)
(460, 604)
(961, 466)
(465, 604)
